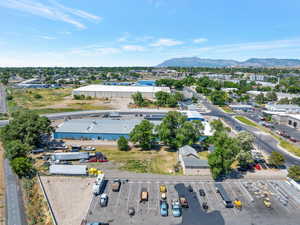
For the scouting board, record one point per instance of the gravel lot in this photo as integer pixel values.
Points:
(69, 197)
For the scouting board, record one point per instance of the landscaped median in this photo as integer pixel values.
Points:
(227, 109)
(294, 149)
(246, 121)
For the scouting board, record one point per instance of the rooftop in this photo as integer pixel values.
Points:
(108, 126)
(118, 88)
(68, 169)
(187, 150)
(192, 162)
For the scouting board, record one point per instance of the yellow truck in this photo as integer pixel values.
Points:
(163, 192)
(238, 204)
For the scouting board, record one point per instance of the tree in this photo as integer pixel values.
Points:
(244, 158)
(284, 101)
(246, 140)
(27, 127)
(123, 144)
(143, 135)
(139, 100)
(16, 148)
(167, 130)
(294, 173)
(218, 126)
(295, 101)
(276, 159)
(218, 97)
(260, 99)
(271, 96)
(221, 159)
(189, 133)
(22, 166)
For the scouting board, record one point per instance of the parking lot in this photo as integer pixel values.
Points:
(285, 203)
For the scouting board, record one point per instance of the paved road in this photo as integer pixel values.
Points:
(14, 208)
(264, 142)
(3, 106)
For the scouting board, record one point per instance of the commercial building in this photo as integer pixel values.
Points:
(110, 129)
(90, 129)
(293, 120)
(193, 115)
(241, 107)
(284, 108)
(79, 170)
(190, 162)
(116, 91)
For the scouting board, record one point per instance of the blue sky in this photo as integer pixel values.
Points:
(145, 32)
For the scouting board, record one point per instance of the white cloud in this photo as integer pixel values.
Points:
(47, 37)
(93, 50)
(166, 42)
(134, 48)
(200, 40)
(65, 32)
(255, 46)
(53, 11)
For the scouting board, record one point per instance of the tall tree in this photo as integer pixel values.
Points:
(143, 134)
(246, 140)
(189, 133)
(22, 166)
(123, 144)
(16, 148)
(167, 130)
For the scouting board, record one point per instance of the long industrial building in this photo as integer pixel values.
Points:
(115, 91)
(107, 129)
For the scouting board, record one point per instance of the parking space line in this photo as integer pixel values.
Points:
(128, 196)
(118, 198)
(210, 199)
(138, 202)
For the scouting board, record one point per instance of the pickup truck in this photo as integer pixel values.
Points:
(183, 202)
(116, 185)
(144, 195)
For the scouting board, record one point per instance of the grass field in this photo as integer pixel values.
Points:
(43, 101)
(246, 121)
(227, 109)
(135, 160)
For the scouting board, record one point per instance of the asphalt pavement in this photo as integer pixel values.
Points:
(3, 106)
(14, 207)
(265, 142)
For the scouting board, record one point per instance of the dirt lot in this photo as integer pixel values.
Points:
(69, 197)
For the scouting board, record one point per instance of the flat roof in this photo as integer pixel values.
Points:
(108, 126)
(295, 116)
(68, 169)
(119, 88)
(191, 162)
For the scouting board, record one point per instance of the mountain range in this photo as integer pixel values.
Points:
(253, 62)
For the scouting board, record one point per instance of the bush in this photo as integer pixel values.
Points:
(276, 159)
(123, 144)
(37, 96)
(294, 173)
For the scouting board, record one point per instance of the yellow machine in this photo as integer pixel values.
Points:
(163, 188)
(267, 202)
(238, 204)
(94, 172)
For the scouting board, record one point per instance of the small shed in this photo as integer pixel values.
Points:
(191, 163)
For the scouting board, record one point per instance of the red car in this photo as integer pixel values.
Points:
(293, 139)
(257, 166)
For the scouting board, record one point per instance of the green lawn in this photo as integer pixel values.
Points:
(290, 147)
(246, 121)
(227, 109)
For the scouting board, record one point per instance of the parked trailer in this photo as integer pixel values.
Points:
(99, 185)
(227, 201)
(63, 156)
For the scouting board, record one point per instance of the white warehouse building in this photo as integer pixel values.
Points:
(115, 91)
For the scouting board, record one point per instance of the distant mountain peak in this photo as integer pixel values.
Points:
(252, 62)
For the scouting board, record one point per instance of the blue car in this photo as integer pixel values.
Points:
(164, 208)
(176, 209)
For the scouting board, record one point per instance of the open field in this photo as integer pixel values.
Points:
(148, 213)
(69, 197)
(52, 101)
(135, 160)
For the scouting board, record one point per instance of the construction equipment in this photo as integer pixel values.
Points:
(267, 202)
(163, 188)
(238, 204)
